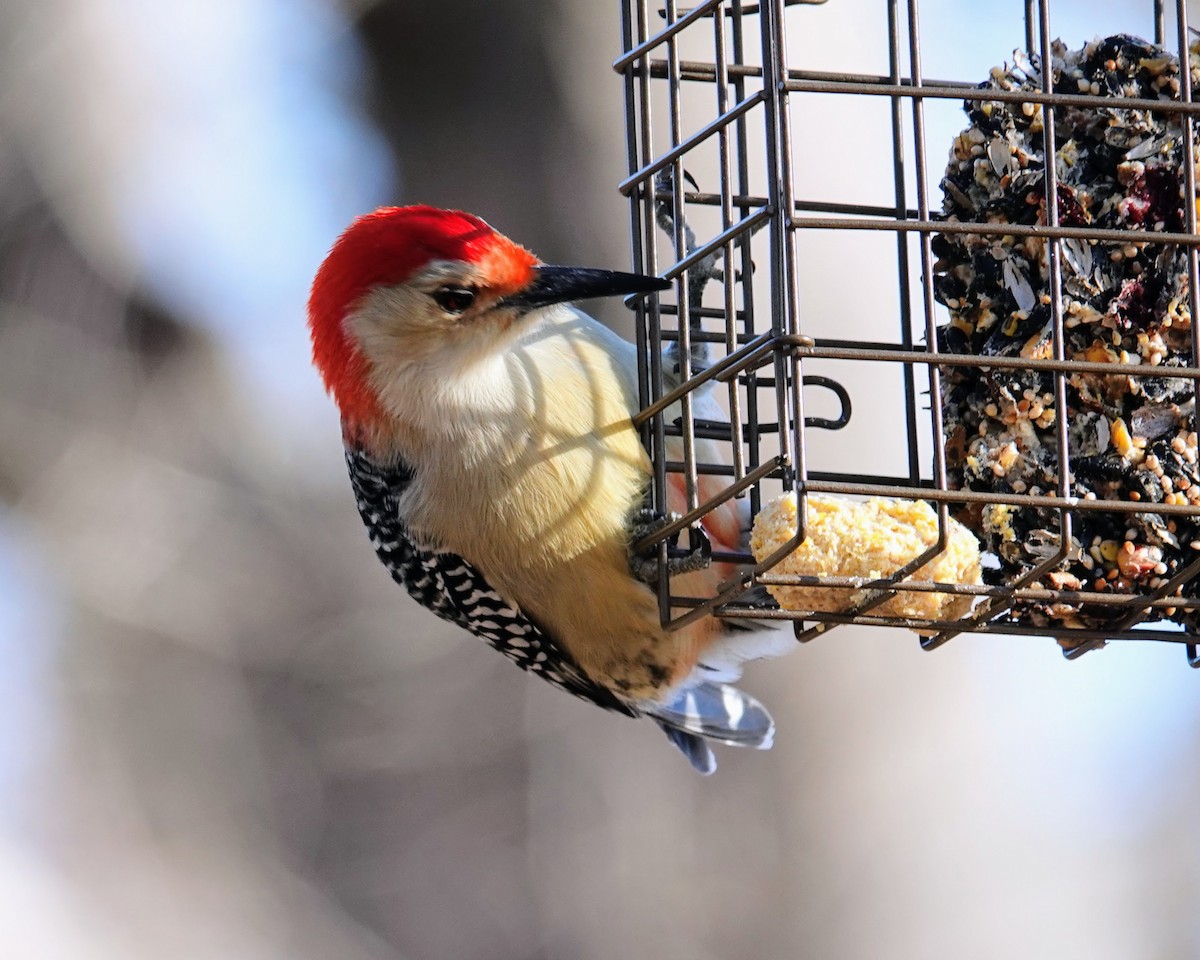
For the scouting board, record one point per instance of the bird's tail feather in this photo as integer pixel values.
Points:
(698, 753)
(713, 711)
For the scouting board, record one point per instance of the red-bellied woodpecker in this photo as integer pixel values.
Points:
(488, 435)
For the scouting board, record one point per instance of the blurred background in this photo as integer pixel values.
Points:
(225, 733)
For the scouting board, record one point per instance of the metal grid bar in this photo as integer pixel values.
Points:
(750, 196)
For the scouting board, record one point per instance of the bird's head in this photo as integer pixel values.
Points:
(420, 287)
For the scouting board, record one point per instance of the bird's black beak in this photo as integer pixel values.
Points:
(562, 284)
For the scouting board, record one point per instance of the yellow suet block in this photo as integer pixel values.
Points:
(849, 538)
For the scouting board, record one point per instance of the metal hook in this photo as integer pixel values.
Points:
(822, 423)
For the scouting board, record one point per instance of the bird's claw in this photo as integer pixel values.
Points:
(645, 566)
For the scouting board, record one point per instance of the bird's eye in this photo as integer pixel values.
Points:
(454, 299)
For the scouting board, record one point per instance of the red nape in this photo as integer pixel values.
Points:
(384, 248)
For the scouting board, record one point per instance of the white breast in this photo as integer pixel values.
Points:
(531, 454)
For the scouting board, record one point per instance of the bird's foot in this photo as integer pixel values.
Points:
(645, 565)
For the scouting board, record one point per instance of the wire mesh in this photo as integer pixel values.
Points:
(725, 183)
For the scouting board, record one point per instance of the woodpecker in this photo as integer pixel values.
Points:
(487, 430)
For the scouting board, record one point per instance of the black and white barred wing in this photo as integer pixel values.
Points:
(453, 589)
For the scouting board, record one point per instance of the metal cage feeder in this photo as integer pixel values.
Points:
(721, 187)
